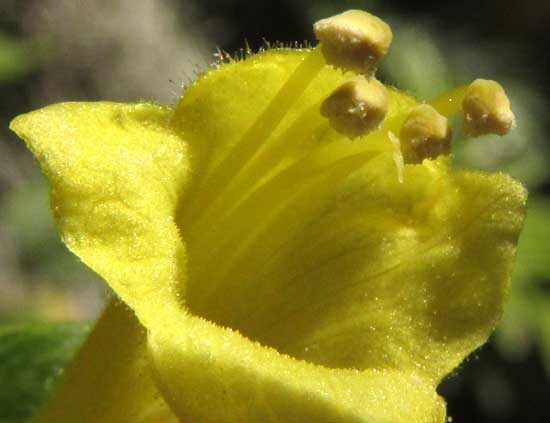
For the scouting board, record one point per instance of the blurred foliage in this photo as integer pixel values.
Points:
(40, 279)
(26, 211)
(527, 318)
(32, 358)
(18, 57)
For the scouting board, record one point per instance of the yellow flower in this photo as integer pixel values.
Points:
(272, 268)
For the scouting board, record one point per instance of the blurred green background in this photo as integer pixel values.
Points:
(59, 50)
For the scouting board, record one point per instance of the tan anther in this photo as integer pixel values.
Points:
(486, 109)
(354, 40)
(356, 107)
(425, 134)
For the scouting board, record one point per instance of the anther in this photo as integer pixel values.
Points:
(425, 134)
(486, 109)
(354, 40)
(356, 107)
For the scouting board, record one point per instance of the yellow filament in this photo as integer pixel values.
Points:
(255, 170)
(253, 179)
(450, 102)
(269, 202)
(256, 135)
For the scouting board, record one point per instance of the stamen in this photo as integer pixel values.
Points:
(425, 134)
(356, 107)
(487, 109)
(354, 40)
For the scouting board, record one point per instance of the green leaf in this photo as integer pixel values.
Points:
(32, 357)
(18, 57)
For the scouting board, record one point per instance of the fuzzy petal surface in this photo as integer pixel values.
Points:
(282, 272)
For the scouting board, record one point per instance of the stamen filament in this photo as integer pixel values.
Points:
(255, 136)
(272, 200)
(255, 170)
(450, 102)
(267, 162)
